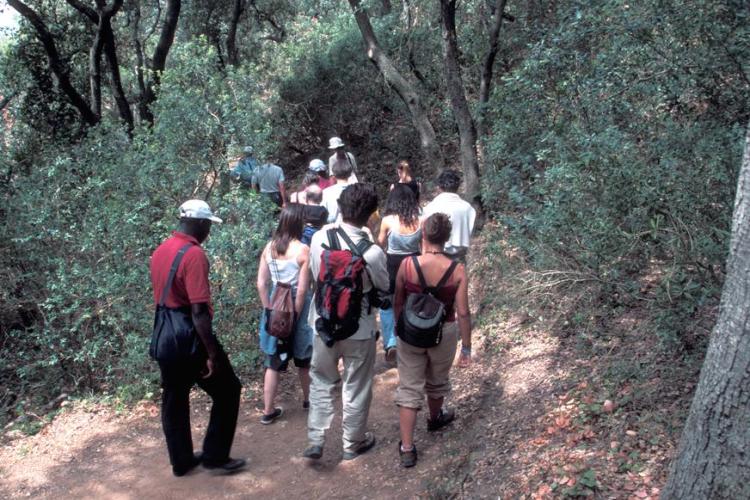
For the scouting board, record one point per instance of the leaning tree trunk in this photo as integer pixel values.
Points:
(485, 83)
(461, 112)
(713, 459)
(402, 86)
(56, 63)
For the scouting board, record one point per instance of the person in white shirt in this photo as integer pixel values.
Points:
(331, 194)
(341, 156)
(461, 213)
(358, 202)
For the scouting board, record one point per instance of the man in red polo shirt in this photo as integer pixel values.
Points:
(212, 370)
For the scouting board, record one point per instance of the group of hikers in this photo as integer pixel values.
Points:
(323, 279)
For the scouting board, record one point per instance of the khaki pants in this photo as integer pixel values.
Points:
(423, 370)
(359, 364)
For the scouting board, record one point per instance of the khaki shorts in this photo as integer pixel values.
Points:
(425, 370)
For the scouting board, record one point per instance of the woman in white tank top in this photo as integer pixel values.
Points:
(285, 259)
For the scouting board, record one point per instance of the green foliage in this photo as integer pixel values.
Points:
(78, 234)
(617, 144)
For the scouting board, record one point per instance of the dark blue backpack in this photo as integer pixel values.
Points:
(307, 234)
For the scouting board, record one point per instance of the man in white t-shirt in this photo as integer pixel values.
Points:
(341, 156)
(342, 173)
(461, 213)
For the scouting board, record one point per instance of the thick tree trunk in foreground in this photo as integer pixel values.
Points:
(461, 112)
(403, 88)
(713, 459)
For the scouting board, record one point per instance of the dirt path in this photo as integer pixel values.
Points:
(529, 425)
(94, 453)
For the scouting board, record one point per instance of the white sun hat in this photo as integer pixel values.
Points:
(247, 150)
(197, 209)
(335, 143)
(317, 165)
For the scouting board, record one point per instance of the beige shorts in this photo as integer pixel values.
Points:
(425, 370)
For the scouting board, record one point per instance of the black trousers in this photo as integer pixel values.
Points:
(223, 387)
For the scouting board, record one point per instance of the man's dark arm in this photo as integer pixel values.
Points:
(202, 322)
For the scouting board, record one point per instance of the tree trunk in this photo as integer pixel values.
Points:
(713, 459)
(55, 63)
(110, 51)
(95, 71)
(140, 62)
(461, 112)
(488, 63)
(403, 88)
(232, 53)
(159, 60)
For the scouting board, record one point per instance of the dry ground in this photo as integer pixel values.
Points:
(531, 424)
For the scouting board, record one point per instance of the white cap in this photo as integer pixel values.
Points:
(247, 150)
(335, 143)
(197, 209)
(317, 165)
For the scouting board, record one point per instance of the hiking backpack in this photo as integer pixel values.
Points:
(338, 291)
(421, 321)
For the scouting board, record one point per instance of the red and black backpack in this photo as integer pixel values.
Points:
(339, 288)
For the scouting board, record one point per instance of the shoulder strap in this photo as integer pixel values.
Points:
(333, 241)
(420, 276)
(357, 250)
(441, 283)
(446, 276)
(272, 263)
(173, 271)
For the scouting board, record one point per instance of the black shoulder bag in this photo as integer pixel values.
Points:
(174, 338)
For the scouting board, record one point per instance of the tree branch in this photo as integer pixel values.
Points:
(159, 60)
(6, 100)
(110, 50)
(85, 10)
(105, 40)
(56, 65)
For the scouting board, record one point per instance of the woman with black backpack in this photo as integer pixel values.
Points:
(431, 298)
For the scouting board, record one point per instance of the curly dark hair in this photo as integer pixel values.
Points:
(402, 203)
(449, 181)
(437, 228)
(357, 203)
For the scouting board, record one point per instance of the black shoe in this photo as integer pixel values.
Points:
(364, 447)
(271, 417)
(314, 452)
(231, 466)
(390, 355)
(408, 458)
(445, 417)
(181, 471)
(305, 405)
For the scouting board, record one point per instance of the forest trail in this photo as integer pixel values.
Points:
(95, 453)
(500, 446)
